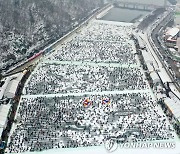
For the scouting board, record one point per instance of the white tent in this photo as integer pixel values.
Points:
(3, 88)
(1, 130)
(12, 85)
(174, 107)
(11, 89)
(4, 110)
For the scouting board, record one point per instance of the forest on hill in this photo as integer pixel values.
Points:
(28, 25)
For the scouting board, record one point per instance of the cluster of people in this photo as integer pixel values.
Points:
(100, 59)
(96, 51)
(102, 31)
(63, 122)
(80, 78)
(99, 43)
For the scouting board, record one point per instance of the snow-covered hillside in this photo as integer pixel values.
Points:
(28, 25)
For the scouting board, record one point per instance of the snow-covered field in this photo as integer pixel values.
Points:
(98, 67)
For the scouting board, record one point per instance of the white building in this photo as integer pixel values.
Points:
(171, 36)
(11, 89)
(4, 86)
(172, 32)
(4, 111)
(178, 44)
(13, 85)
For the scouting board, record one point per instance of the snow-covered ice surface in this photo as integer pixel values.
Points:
(102, 150)
(71, 78)
(97, 63)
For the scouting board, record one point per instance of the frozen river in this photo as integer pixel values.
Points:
(124, 15)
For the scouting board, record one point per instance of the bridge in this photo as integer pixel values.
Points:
(136, 4)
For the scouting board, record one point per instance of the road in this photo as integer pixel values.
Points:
(161, 52)
(155, 49)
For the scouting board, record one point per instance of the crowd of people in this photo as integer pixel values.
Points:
(64, 122)
(98, 48)
(71, 78)
(99, 43)
(101, 59)
(102, 31)
(96, 51)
